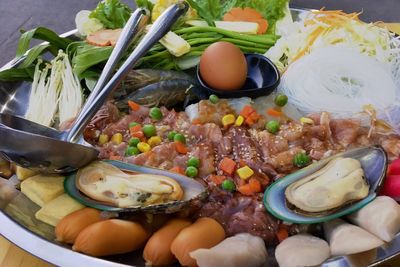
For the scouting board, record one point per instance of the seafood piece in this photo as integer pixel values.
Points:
(239, 250)
(339, 182)
(118, 186)
(104, 182)
(347, 239)
(302, 250)
(136, 79)
(381, 217)
(164, 93)
(303, 188)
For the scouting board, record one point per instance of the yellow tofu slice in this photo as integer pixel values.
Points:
(58, 208)
(43, 188)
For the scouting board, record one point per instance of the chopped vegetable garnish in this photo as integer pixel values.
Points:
(282, 233)
(143, 147)
(228, 119)
(228, 185)
(301, 160)
(272, 126)
(305, 120)
(255, 185)
(193, 161)
(239, 120)
(134, 141)
(177, 169)
(103, 138)
(149, 130)
(171, 135)
(180, 138)
(133, 105)
(155, 113)
(213, 99)
(117, 138)
(180, 147)
(227, 165)
(191, 171)
(247, 110)
(132, 124)
(131, 151)
(245, 172)
(154, 141)
(273, 112)
(217, 179)
(281, 100)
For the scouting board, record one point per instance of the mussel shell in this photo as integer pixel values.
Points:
(193, 190)
(373, 160)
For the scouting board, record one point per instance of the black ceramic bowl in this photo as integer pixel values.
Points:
(262, 78)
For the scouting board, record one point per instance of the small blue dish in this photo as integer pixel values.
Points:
(262, 78)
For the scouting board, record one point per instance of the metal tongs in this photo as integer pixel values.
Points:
(35, 146)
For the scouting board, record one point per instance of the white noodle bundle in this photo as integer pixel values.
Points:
(342, 81)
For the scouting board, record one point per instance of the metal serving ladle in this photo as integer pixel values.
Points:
(35, 146)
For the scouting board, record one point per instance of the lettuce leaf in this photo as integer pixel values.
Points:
(111, 13)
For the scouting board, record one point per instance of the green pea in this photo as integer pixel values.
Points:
(180, 138)
(132, 124)
(281, 100)
(272, 126)
(191, 171)
(171, 135)
(301, 159)
(193, 161)
(134, 141)
(131, 151)
(155, 113)
(228, 185)
(213, 99)
(149, 130)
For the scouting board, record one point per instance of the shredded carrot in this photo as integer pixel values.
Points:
(227, 165)
(248, 15)
(138, 134)
(105, 37)
(180, 147)
(273, 112)
(247, 111)
(177, 169)
(133, 105)
(282, 234)
(217, 179)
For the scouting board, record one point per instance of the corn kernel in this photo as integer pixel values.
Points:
(154, 141)
(245, 172)
(305, 120)
(228, 119)
(117, 138)
(143, 147)
(239, 120)
(103, 138)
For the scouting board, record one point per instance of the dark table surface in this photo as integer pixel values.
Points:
(59, 15)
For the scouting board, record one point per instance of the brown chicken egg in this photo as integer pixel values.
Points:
(223, 66)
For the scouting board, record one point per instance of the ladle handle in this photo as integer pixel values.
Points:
(160, 27)
(133, 26)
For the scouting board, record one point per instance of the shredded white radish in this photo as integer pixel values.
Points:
(342, 81)
(71, 98)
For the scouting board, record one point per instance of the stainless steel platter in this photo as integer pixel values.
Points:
(18, 223)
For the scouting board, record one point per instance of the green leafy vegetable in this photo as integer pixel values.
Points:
(13, 75)
(145, 4)
(111, 13)
(87, 56)
(211, 10)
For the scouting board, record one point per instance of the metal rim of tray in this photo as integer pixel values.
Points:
(63, 256)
